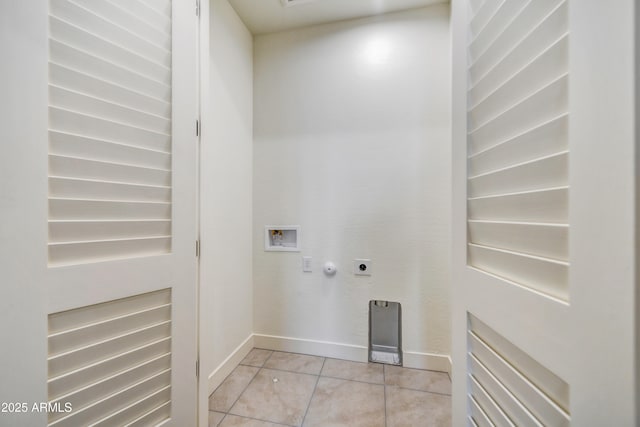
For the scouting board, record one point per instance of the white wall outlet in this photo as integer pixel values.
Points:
(362, 267)
(306, 264)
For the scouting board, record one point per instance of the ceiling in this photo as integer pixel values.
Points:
(268, 16)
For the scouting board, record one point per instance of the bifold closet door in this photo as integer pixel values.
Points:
(544, 170)
(98, 212)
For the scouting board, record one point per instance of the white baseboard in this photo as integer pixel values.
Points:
(430, 361)
(356, 353)
(229, 364)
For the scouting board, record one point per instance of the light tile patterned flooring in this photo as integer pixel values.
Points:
(271, 388)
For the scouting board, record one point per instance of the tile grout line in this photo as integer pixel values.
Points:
(415, 389)
(355, 381)
(293, 372)
(314, 392)
(341, 360)
(243, 390)
(267, 359)
(421, 391)
(261, 419)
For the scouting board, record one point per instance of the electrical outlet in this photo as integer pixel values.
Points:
(362, 267)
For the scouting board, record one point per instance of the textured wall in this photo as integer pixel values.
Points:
(226, 285)
(352, 142)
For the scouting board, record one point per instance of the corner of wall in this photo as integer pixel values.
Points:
(217, 376)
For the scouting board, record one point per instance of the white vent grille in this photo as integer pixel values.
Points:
(507, 387)
(109, 129)
(112, 362)
(518, 143)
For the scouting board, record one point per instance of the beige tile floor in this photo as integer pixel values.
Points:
(271, 388)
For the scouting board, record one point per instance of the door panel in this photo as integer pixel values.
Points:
(543, 136)
(106, 91)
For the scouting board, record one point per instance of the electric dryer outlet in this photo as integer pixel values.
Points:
(362, 267)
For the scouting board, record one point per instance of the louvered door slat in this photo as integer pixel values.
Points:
(517, 145)
(65, 253)
(76, 101)
(484, 14)
(161, 7)
(87, 209)
(535, 75)
(110, 30)
(545, 275)
(490, 408)
(95, 372)
(545, 380)
(73, 122)
(71, 35)
(546, 206)
(91, 353)
(153, 417)
(88, 395)
(517, 63)
(125, 17)
(129, 413)
(543, 408)
(544, 240)
(109, 130)
(93, 64)
(496, 24)
(517, 412)
(546, 18)
(63, 342)
(541, 141)
(507, 383)
(107, 91)
(538, 108)
(65, 231)
(111, 404)
(478, 416)
(105, 190)
(70, 145)
(152, 16)
(111, 361)
(63, 166)
(538, 174)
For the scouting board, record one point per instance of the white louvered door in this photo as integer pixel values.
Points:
(98, 212)
(543, 134)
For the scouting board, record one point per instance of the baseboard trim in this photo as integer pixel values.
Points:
(229, 364)
(430, 361)
(356, 353)
(335, 350)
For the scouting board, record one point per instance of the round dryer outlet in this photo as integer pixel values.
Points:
(362, 267)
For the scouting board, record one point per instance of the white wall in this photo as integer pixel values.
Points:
(226, 287)
(352, 142)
